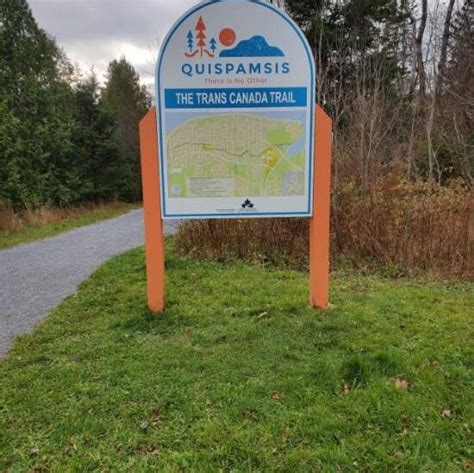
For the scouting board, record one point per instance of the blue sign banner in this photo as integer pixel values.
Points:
(236, 98)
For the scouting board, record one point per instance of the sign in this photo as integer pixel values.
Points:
(235, 92)
(236, 130)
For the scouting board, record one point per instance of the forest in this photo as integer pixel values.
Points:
(395, 75)
(64, 140)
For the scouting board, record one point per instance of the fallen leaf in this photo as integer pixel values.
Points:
(277, 396)
(406, 425)
(447, 413)
(35, 451)
(148, 449)
(469, 465)
(398, 454)
(401, 384)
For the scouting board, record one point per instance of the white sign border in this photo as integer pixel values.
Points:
(159, 121)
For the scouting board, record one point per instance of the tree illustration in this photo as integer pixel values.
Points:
(201, 35)
(213, 44)
(190, 41)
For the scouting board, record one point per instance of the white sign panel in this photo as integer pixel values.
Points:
(235, 93)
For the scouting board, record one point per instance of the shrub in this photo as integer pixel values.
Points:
(414, 225)
(420, 225)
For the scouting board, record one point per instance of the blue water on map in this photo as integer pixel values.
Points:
(298, 147)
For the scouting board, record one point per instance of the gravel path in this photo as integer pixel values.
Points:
(36, 277)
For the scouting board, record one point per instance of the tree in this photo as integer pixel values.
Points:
(457, 97)
(37, 122)
(127, 102)
(420, 66)
(444, 49)
(460, 64)
(347, 38)
(104, 172)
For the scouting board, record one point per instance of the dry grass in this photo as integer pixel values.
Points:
(46, 215)
(421, 226)
(30, 225)
(414, 226)
(268, 241)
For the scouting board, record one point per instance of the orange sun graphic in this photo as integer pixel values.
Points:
(227, 37)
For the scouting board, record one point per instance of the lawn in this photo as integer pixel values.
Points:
(240, 375)
(79, 217)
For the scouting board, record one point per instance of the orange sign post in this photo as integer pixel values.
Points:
(319, 223)
(154, 237)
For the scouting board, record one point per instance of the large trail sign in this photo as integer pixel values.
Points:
(235, 93)
(236, 133)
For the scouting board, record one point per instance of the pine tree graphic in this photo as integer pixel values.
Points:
(213, 44)
(201, 35)
(201, 47)
(190, 41)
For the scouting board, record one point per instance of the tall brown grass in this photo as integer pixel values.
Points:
(11, 220)
(421, 225)
(413, 225)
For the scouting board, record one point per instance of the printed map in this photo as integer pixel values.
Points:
(236, 155)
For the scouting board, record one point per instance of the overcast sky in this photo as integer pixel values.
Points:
(93, 32)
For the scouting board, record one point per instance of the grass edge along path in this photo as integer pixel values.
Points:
(27, 234)
(240, 375)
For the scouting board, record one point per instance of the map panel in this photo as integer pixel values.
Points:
(236, 155)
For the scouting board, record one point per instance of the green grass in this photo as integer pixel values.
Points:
(240, 375)
(9, 238)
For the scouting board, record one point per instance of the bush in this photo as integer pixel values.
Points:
(419, 225)
(265, 241)
(414, 225)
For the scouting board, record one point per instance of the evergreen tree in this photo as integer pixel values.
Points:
(127, 102)
(105, 174)
(35, 104)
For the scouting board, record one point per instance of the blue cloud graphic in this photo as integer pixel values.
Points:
(256, 46)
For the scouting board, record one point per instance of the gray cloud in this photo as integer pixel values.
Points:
(93, 32)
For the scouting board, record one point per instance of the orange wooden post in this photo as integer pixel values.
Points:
(319, 223)
(154, 240)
